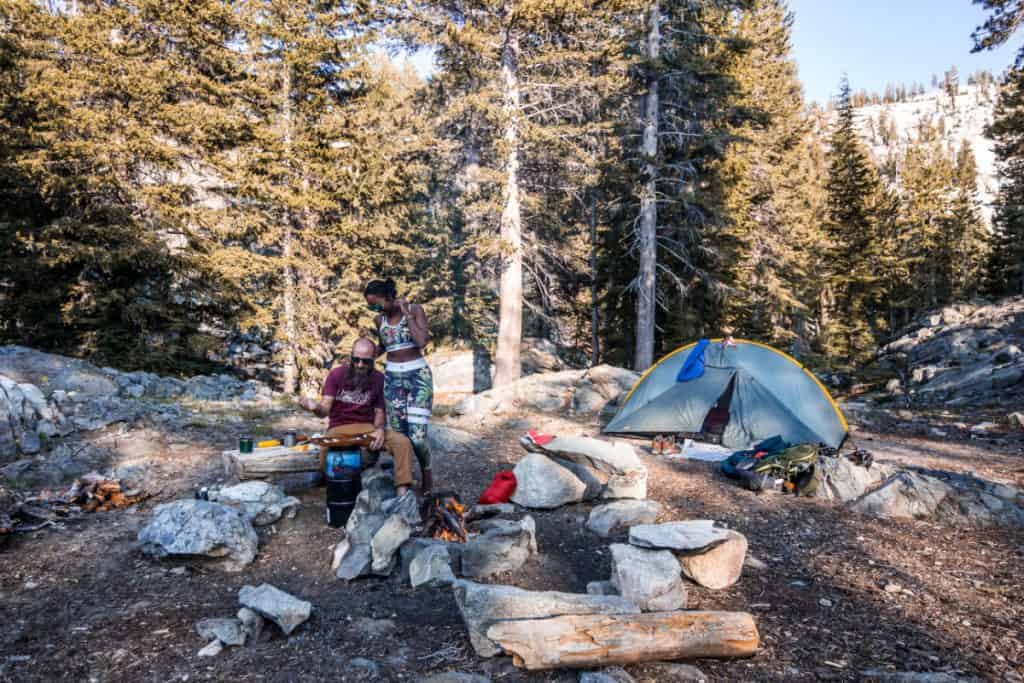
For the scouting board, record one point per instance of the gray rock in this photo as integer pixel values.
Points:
(594, 479)
(455, 677)
(907, 494)
(355, 562)
(252, 624)
(503, 547)
(51, 372)
(483, 605)
(406, 507)
(883, 676)
(260, 502)
(482, 511)
(601, 588)
(613, 674)
(365, 668)
(366, 527)
(214, 648)
(448, 441)
(199, 527)
(542, 483)
(842, 480)
(373, 628)
(626, 473)
(604, 519)
(385, 544)
(431, 566)
(688, 536)
(227, 631)
(414, 546)
(272, 603)
(678, 673)
(719, 566)
(650, 579)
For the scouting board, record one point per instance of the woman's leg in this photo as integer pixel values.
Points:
(396, 398)
(420, 386)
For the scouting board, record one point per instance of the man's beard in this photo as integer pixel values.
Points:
(359, 376)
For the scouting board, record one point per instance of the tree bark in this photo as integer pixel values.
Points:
(595, 320)
(290, 378)
(648, 228)
(510, 316)
(594, 640)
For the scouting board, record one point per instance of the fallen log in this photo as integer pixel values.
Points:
(592, 640)
(266, 462)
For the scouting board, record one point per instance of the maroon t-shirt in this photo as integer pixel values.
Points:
(352, 405)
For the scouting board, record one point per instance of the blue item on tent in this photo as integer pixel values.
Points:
(693, 366)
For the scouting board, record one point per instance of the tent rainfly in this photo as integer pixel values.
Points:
(741, 392)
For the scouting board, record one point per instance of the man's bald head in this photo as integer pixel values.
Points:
(364, 348)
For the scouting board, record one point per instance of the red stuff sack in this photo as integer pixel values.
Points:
(500, 490)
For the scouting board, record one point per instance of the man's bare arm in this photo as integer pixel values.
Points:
(321, 409)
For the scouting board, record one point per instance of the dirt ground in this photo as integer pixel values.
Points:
(82, 603)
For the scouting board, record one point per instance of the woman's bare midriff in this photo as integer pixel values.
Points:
(404, 355)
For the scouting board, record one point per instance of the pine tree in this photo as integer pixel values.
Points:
(1006, 265)
(112, 118)
(844, 309)
(966, 231)
(1006, 18)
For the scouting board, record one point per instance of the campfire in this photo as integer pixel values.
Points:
(444, 517)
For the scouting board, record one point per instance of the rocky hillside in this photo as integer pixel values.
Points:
(964, 118)
(965, 355)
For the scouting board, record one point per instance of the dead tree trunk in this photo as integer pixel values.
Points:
(510, 317)
(648, 225)
(290, 378)
(595, 320)
(593, 640)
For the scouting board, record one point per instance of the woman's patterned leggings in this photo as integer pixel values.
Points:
(410, 398)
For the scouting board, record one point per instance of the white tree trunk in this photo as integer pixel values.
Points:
(290, 379)
(510, 317)
(648, 227)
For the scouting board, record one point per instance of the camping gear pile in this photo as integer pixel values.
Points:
(775, 465)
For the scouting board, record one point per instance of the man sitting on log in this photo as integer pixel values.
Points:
(353, 401)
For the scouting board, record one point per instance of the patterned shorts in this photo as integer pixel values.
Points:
(410, 398)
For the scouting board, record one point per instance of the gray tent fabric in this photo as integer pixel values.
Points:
(772, 395)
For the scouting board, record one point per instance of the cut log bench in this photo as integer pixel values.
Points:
(263, 463)
(592, 640)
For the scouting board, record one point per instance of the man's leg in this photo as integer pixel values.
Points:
(401, 450)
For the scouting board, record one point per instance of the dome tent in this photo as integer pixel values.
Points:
(742, 391)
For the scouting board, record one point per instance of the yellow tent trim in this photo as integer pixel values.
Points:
(832, 401)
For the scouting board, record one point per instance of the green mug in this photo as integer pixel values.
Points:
(245, 444)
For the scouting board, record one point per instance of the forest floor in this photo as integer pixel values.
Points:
(82, 603)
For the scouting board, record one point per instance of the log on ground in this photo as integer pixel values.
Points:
(267, 462)
(592, 640)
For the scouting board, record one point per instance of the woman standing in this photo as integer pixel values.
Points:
(408, 384)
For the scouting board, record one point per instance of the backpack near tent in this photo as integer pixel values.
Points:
(736, 392)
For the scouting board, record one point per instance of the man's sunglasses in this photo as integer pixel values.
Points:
(362, 361)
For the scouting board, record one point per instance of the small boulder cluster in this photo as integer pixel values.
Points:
(221, 527)
(648, 570)
(258, 604)
(383, 533)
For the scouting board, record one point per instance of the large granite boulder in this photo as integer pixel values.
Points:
(200, 528)
(719, 565)
(504, 546)
(615, 464)
(544, 484)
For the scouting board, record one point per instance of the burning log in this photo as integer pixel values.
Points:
(444, 517)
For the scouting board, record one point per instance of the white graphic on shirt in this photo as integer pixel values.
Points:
(356, 396)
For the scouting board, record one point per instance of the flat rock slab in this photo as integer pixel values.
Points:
(227, 631)
(613, 674)
(485, 605)
(199, 527)
(385, 543)
(689, 536)
(260, 502)
(355, 561)
(650, 579)
(283, 609)
(544, 484)
(607, 518)
(720, 566)
(612, 458)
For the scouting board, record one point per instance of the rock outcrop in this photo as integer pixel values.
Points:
(962, 355)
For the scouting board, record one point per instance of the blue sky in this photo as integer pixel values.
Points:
(880, 41)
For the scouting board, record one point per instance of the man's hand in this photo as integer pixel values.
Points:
(378, 439)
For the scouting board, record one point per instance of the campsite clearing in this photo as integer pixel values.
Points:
(82, 602)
